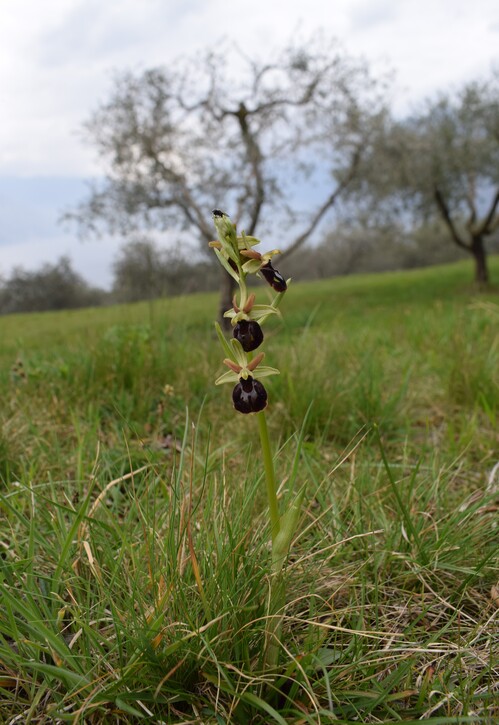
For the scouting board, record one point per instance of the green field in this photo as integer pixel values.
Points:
(133, 532)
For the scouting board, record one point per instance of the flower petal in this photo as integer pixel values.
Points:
(252, 266)
(249, 396)
(228, 377)
(249, 333)
(265, 371)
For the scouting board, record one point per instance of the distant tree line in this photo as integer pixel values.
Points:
(52, 287)
(143, 270)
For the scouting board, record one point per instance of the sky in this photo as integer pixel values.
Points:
(58, 59)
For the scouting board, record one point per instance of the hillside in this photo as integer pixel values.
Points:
(132, 510)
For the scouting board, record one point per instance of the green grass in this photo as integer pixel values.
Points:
(133, 533)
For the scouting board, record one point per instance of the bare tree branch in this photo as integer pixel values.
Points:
(330, 202)
(470, 200)
(185, 200)
(444, 211)
(255, 161)
(183, 140)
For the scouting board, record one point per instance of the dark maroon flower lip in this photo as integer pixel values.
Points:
(249, 396)
(249, 333)
(273, 277)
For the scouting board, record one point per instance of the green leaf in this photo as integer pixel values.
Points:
(299, 446)
(252, 699)
(326, 656)
(287, 527)
(125, 707)
(227, 348)
(68, 677)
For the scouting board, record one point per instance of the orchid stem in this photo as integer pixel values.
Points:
(277, 589)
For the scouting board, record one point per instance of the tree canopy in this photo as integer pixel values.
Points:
(143, 270)
(443, 161)
(230, 131)
(52, 287)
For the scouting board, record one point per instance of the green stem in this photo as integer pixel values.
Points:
(269, 475)
(277, 590)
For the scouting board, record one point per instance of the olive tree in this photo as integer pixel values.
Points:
(143, 270)
(138, 271)
(443, 162)
(51, 287)
(228, 130)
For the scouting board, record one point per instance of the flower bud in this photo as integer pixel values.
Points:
(249, 333)
(249, 396)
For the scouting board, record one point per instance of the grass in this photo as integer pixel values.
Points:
(133, 536)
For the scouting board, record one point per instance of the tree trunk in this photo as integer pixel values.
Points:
(478, 251)
(227, 289)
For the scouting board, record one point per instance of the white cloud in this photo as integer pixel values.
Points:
(57, 59)
(56, 56)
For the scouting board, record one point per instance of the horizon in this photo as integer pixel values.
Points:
(61, 56)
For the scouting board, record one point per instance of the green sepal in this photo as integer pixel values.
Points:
(229, 377)
(226, 265)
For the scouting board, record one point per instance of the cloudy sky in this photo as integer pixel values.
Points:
(57, 59)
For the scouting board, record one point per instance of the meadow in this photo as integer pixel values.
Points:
(133, 534)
